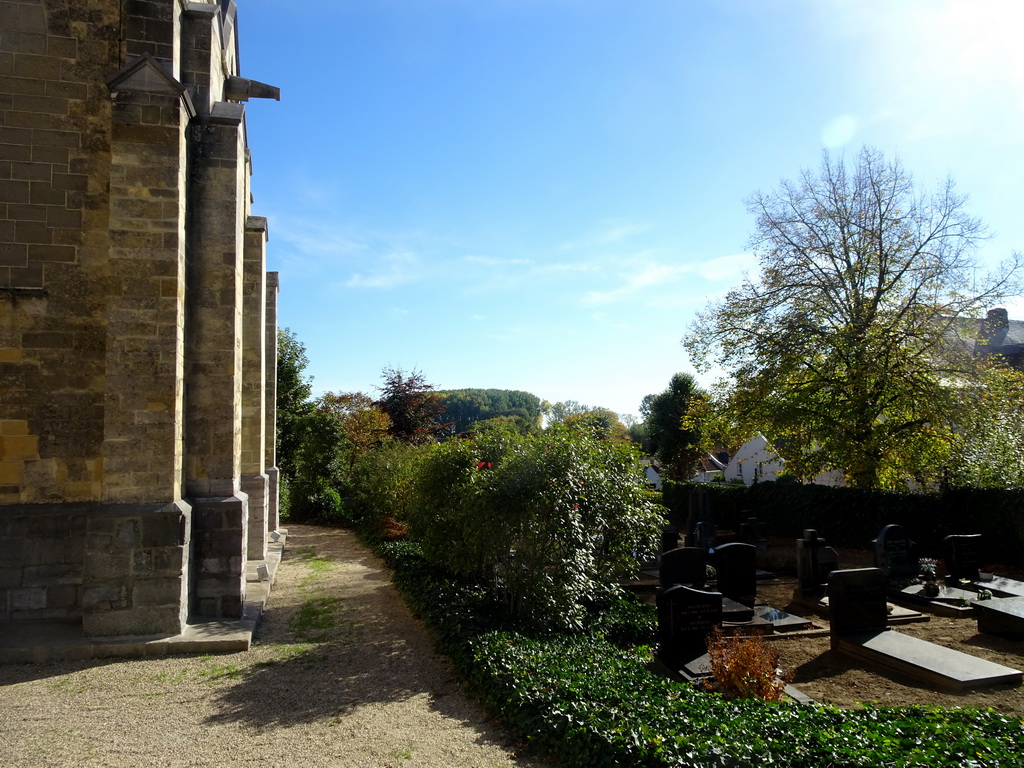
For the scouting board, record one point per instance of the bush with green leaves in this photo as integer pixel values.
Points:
(549, 521)
(382, 485)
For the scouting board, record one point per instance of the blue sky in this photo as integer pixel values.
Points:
(541, 194)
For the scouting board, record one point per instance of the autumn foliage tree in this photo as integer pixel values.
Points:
(415, 410)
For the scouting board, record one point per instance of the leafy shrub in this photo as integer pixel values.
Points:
(382, 486)
(313, 501)
(549, 521)
(745, 667)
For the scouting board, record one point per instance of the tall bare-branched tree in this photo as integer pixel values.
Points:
(853, 347)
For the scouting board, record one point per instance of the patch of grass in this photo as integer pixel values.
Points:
(315, 617)
(402, 754)
(213, 670)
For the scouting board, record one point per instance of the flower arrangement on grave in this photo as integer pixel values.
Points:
(928, 569)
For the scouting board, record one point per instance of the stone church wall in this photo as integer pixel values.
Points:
(134, 317)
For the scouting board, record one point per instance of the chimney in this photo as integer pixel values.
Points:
(993, 331)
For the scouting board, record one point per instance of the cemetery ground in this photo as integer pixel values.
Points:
(342, 674)
(829, 677)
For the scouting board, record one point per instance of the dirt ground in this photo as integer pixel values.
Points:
(829, 677)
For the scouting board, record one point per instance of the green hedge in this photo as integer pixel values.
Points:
(848, 517)
(589, 703)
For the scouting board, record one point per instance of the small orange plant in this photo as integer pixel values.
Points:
(745, 668)
(393, 529)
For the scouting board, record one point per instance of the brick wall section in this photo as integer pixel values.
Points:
(254, 306)
(54, 137)
(146, 307)
(41, 553)
(270, 405)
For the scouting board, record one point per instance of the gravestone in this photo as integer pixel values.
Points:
(858, 629)
(685, 618)
(735, 565)
(814, 562)
(669, 538)
(750, 531)
(962, 553)
(1002, 616)
(699, 511)
(856, 600)
(705, 535)
(684, 565)
(894, 554)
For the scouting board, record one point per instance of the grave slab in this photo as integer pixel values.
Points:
(930, 663)
(951, 601)
(1002, 616)
(858, 629)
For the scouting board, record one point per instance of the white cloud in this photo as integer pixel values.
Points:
(651, 274)
(608, 234)
(838, 131)
(727, 267)
(393, 270)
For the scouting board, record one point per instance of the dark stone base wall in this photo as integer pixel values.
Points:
(119, 568)
(41, 554)
(219, 548)
(135, 570)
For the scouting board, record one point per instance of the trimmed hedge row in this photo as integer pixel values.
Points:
(590, 703)
(848, 517)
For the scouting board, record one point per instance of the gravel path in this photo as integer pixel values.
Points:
(341, 674)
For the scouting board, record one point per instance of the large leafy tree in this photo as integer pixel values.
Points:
(468, 407)
(851, 346)
(294, 389)
(670, 430)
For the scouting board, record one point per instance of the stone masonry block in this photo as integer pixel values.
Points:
(104, 597)
(153, 620)
(45, 575)
(63, 596)
(158, 561)
(151, 592)
(10, 577)
(28, 599)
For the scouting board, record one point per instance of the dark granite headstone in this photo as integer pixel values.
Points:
(750, 531)
(684, 565)
(856, 600)
(962, 553)
(669, 538)
(814, 562)
(700, 509)
(894, 553)
(685, 618)
(828, 561)
(705, 535)
(735, 565)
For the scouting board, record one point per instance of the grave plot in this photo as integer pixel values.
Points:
(735, 565)
(1002, 616)
(962, 556)
(686, 617)
(905, 582)
(859, 629)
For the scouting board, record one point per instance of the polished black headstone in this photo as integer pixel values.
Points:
(962, 553)
(685, 618)
(737, 573)
(684, 565)
(856, 601)
(894, 553)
